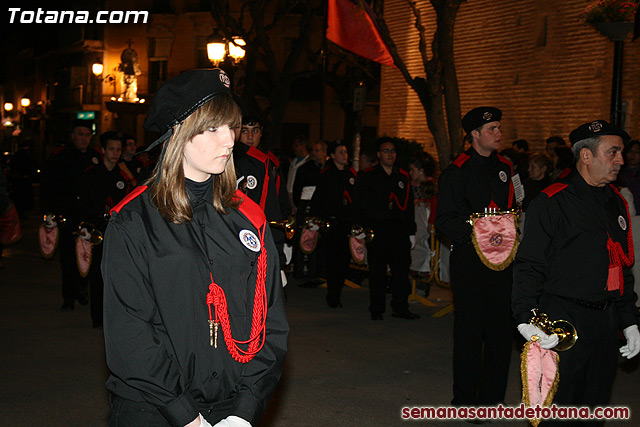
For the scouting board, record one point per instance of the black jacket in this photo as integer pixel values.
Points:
(564, 249)
(333, 198)
(156, 280)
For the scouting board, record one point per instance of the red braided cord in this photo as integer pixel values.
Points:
(217, 298)
(617, 257)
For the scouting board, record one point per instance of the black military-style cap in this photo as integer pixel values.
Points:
(480, 116)
(180, 96)
(331, 147)
(89, 124)
(597, 128)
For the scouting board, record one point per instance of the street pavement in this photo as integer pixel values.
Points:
(342, 369)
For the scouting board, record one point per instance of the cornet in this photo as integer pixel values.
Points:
(493, 212)
(58, 220)
(96, 235)
(358, 229)
(288, 225)
(311, 220)
(565, 331)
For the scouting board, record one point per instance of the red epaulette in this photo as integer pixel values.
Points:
(324, 169)
(554, 189)
(58, 149)
(254, 152)
(459, 161)
(92, 166)
(404, 172)
(565, 172)
(370, 168)
(273, 158)
(250, 209)
(353, 171)
(129, 197)
(506, 161)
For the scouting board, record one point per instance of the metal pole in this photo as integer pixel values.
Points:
(616, 85)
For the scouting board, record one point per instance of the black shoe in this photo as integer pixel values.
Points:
(82, 299)
(66, 307)
(376, 316)
(404, 314)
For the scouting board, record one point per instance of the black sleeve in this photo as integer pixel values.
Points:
(450, 218)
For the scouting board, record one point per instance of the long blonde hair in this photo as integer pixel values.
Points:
(168, 192)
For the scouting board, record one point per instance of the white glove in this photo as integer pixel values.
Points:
(632, 347)
(412, 239)
(49, 222)
(232, 421)
(546, 341)
(288, 252)
(203, 422)
(283, 275)
(360, 236)
(84, 233)
(313, 226)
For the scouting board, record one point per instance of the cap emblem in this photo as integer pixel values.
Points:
(224, 78)
(595, 127)
(487, 116)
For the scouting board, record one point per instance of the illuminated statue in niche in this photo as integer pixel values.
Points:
(130, 69)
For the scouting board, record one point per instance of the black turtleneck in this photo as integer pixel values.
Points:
(198, 188)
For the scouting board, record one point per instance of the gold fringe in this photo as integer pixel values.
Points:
(504, 264)
(524, 374)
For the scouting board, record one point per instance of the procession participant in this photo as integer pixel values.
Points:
(574, 264)
(59, 197)
(384, 204)
(478, 180)
(194, 320)
(332, 201)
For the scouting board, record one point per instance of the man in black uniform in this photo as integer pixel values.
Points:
(304, 185)
(574, 262)
(60, 192)
(103, 186)
(482, 333)
(259, 178)
(332, 201)
(384, 203)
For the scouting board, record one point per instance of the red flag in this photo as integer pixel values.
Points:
(351, 26)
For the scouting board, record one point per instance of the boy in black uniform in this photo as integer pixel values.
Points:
(103, 186)
(332, 201)
(60, 195)
(478, 179)
(574, 264)
(384, 203)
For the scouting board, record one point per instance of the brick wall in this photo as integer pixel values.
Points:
(544, 85)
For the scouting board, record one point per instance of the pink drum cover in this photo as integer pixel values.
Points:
(358, 250)
(308, 240)
(48, 239)
(83, 256)
(496, 240)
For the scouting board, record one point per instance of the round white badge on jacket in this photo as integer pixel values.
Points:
(622, 222)
(120, 185)
(503, 176)
(252, 182)
(249, 239)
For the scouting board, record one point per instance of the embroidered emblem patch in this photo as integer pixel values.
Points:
(622, 222)
(252, 182)
(486, 116)
(503, 176)
(120, 185)
(249, 239)
(401, 184)
(495, 239)
(94, 160)
(352, 181)
(595, 127)
(224, 78)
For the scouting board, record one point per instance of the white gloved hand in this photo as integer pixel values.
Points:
(412, 239)
(546, 341)
(632, 347)
(203, 422)
(313, 226)
(288, 252)
(232, 421)
(84, 233)
(49, 222)
(283, 275)
(360, 236)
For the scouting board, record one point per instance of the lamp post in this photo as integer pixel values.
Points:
(225, 53)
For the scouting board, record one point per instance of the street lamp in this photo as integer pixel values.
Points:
(219, 49)
(25, 102)
(8, 106)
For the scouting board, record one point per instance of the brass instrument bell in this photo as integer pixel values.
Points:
(308, 223)
(565, 331)
(58, 219)
(96, 235)
(289, 225)
(358, 229)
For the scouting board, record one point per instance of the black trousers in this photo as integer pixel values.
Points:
(72, 282)
(392, 247)
(337, 257)
(483, 329)
(587, 370)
